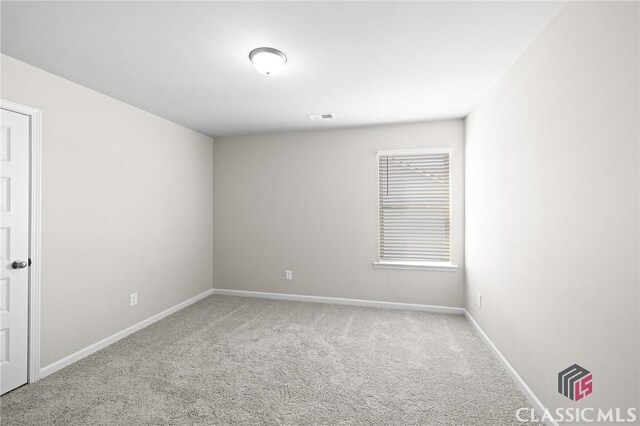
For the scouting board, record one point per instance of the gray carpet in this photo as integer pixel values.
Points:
(231, 360)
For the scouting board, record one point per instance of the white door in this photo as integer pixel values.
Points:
(14, 249)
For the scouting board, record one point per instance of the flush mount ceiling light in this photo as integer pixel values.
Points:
(268, 60)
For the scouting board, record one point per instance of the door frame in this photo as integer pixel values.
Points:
(35, 232)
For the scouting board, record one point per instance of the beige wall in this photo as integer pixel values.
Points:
(307, 202)
(126, 207)
(552, 235)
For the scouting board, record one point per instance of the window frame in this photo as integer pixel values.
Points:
(408, 264)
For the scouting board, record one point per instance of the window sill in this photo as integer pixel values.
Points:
(419, 266)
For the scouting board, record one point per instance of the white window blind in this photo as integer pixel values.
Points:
(413, 207)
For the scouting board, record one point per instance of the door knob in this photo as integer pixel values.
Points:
(19, 264)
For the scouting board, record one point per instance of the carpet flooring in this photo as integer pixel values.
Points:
(243, 361)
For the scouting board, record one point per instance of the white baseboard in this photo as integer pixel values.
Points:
(533, 399)
(341, 301)
(68, 360)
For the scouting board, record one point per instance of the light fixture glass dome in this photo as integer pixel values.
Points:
(268, 60)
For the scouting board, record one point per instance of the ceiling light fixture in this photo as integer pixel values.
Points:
(268, 60)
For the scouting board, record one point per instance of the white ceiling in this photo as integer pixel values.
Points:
(366, 62)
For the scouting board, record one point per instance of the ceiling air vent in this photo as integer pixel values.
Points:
(321, 116)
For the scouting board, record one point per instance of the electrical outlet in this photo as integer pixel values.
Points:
(288, 275)
(479, 300)
(133, 299)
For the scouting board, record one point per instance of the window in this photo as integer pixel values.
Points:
(414, 209)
